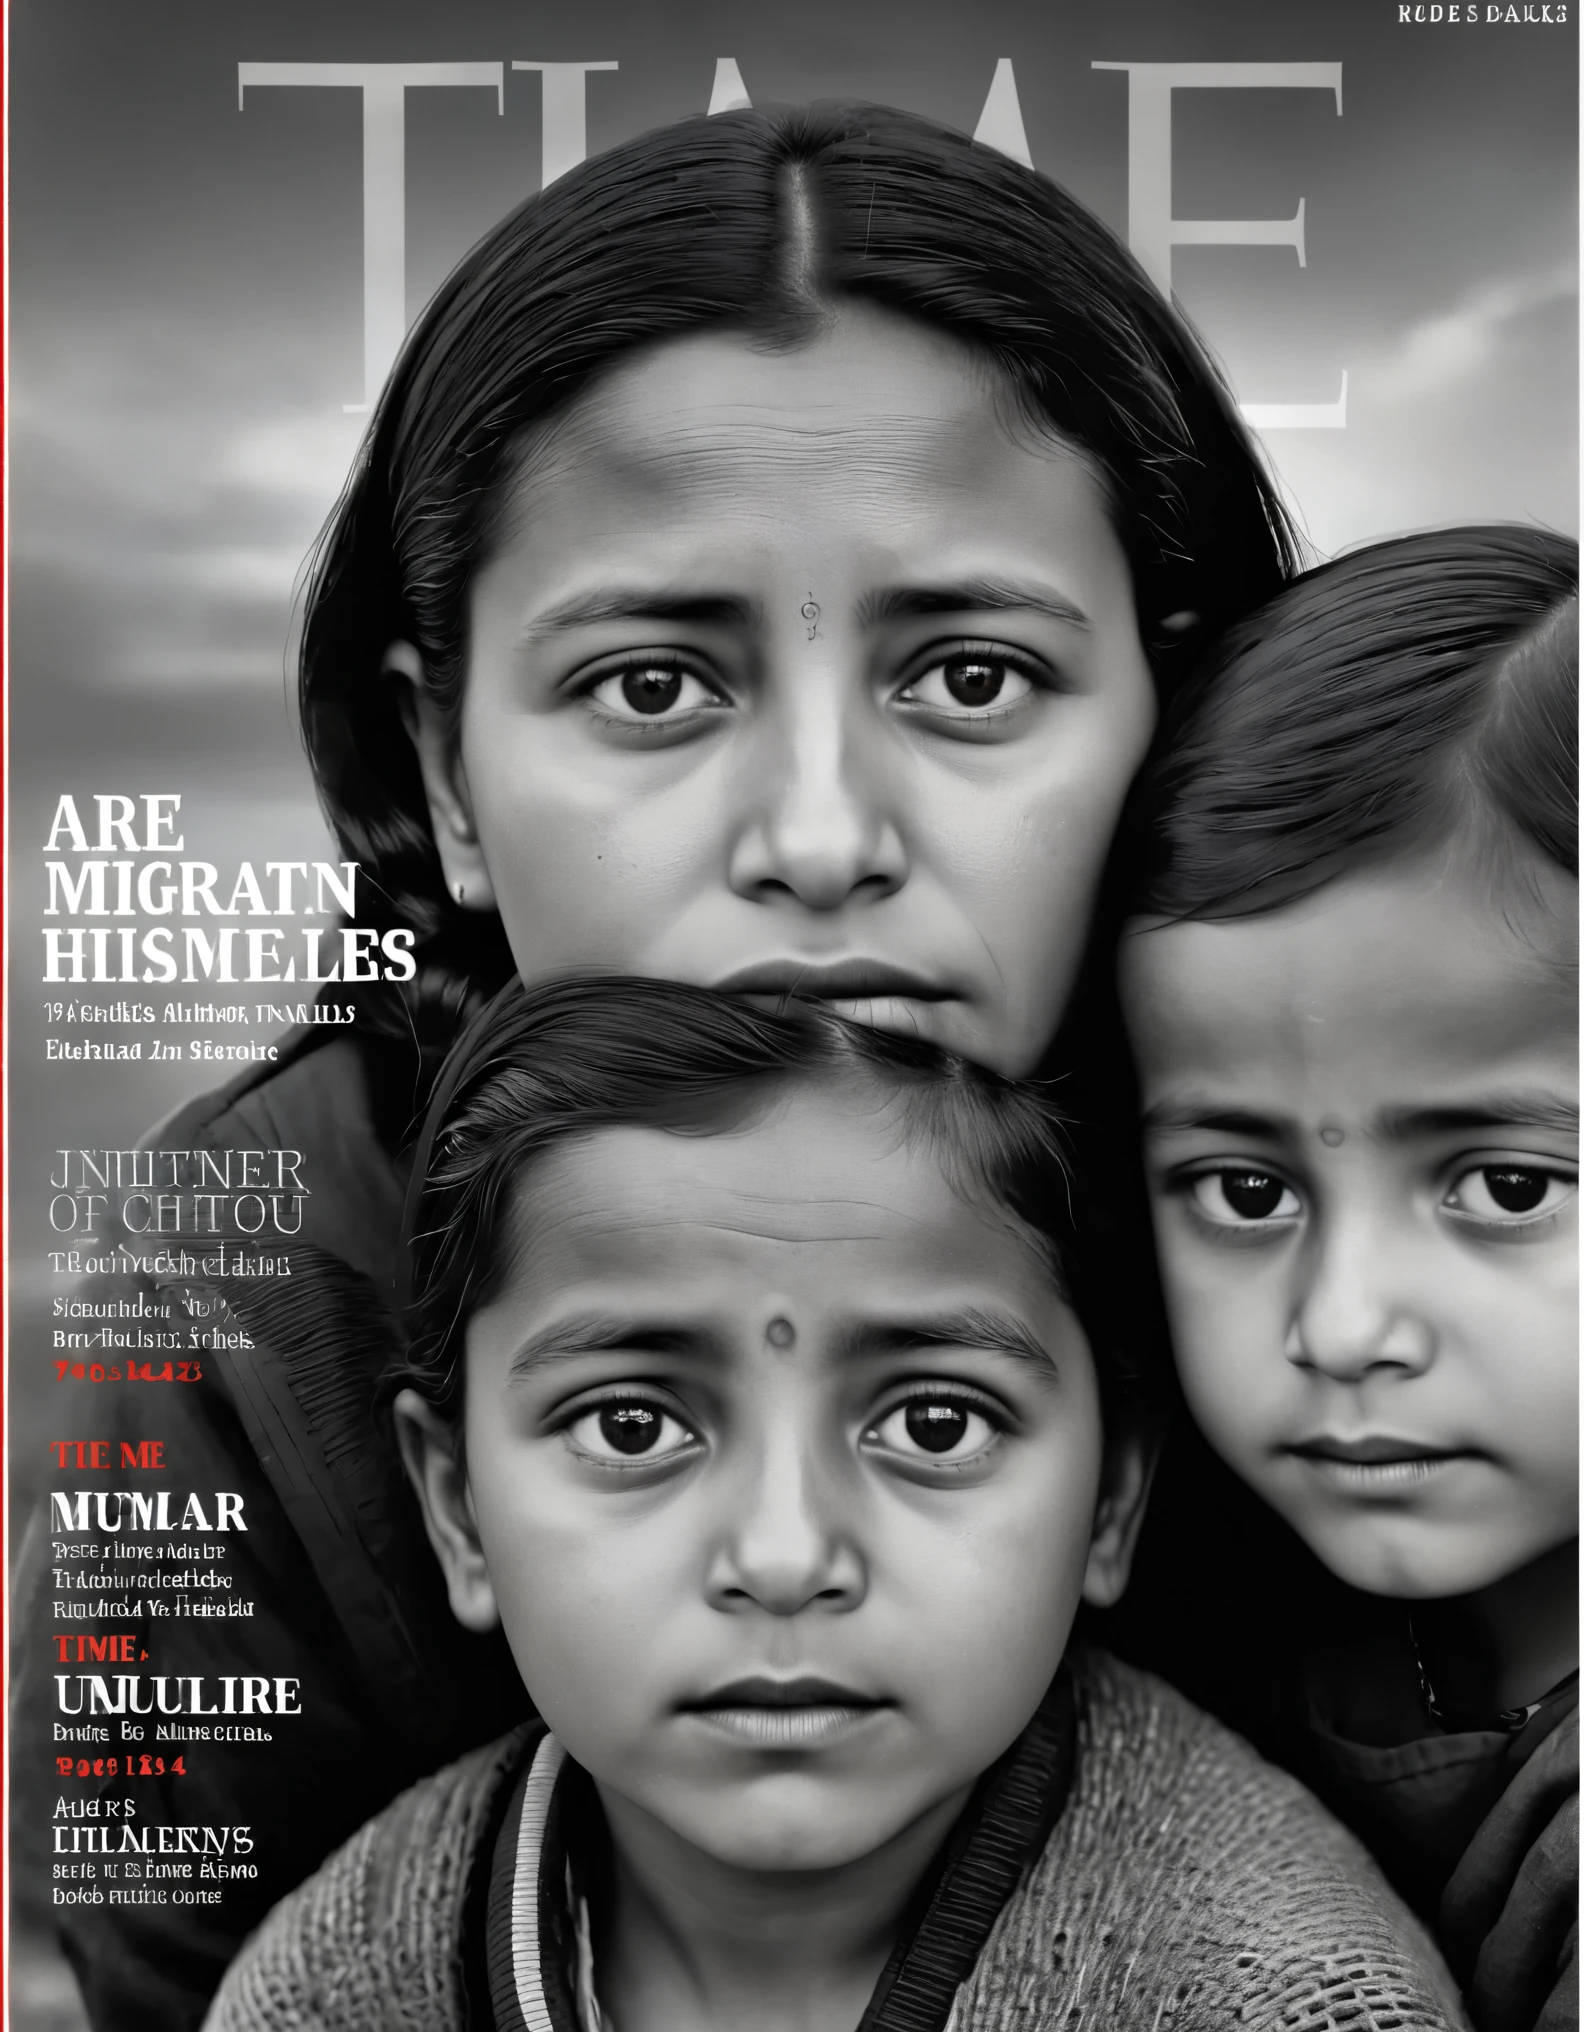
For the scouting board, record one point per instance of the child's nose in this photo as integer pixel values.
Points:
(784, 1547)
(819, 820)
(1356, 1310)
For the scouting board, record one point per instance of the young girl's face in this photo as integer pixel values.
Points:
(1361, 1127)
(802, 669)
(784, 1465)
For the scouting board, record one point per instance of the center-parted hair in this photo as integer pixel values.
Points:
(1409, 693)
(541, 1068)
(764, 224)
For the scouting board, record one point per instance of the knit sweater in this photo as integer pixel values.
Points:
(1186, 1885)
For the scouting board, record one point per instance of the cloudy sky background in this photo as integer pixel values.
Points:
(186, 319)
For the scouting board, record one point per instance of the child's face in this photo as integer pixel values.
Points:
(1361, 1132)
(802, 669)
(785, 1465)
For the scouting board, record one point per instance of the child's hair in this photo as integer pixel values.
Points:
(762, 224)
(543, 1066)
(1397, 698)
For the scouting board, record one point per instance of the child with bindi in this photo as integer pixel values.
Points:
(1352, 990)
(749, 1394)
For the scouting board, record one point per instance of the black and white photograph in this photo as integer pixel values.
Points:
(791, 1018)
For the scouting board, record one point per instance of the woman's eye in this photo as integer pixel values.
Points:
(968, 683)
(1509, 1195)
(651, 691)
(934, 1428)
(1243, 1194)
(629, 1430)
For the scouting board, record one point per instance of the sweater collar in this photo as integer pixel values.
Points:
(537, 1954)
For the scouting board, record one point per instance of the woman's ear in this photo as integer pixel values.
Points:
(1130, 1468)
(445, 781)
(430, 1456)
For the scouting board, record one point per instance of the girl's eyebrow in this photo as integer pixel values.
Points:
(1515, 1108)
(1165, 1117)
(1512, 1108)
(594, 1333)
(974, 594)
(970, 1326)
(640, 603)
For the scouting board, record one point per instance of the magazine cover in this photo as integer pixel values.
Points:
(791, 1015)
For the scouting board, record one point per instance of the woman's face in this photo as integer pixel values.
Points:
(807, 670)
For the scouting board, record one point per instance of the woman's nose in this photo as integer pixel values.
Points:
(785, 1547)
(1357, 1308)
(819, 823)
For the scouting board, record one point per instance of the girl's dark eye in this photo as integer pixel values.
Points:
(934, 1428)
(1516, 1192)
(629, 1429)
(1243, 1193)
(972, 682)
(1509, 1194)
(1253, 1194)
(651, 691)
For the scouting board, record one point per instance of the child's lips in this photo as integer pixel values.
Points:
(1376, 1463)
(1370, 1449)
(785, 1714)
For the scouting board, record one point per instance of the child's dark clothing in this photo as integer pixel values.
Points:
(1129, 1864)
(1477, 1827)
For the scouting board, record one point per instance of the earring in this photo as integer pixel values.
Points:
(461, 892)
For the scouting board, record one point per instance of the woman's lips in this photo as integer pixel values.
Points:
(849, 980)
(785, 1714)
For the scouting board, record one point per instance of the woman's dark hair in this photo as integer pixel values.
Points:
(759, 223)
(1384, 702)
(539, 1067)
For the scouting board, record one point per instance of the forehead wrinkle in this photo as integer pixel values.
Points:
(569, 1218)
(850, 371)
(688, 459)
(856, 1220)
(1298, 976)
(617, 444)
